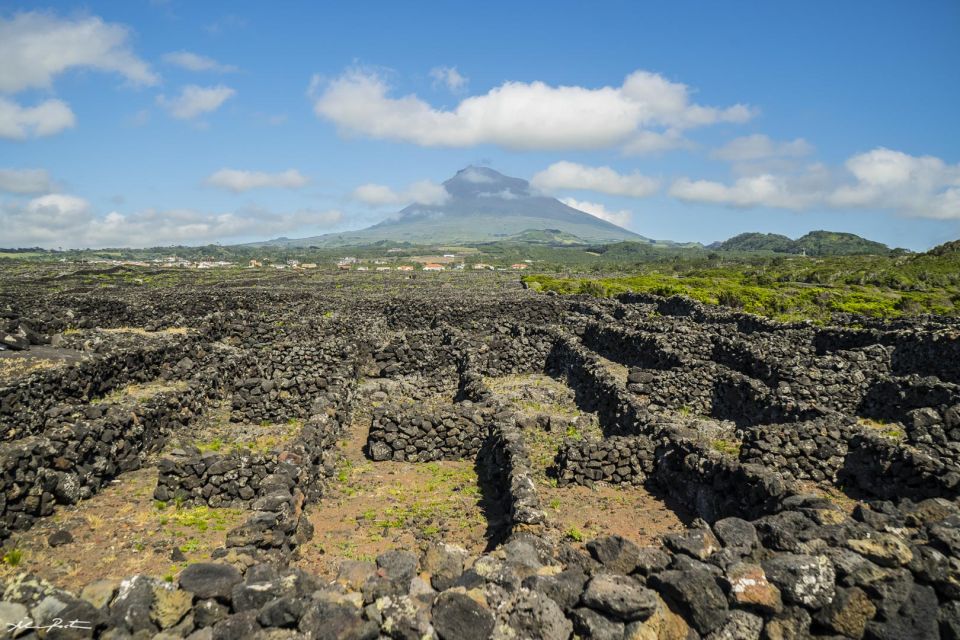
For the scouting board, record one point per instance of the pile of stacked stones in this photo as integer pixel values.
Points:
(422, 434)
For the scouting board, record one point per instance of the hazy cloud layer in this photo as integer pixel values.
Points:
(238, 181)
(67, 221)
(35, 47)
(195, 101)
(761, 147)
(570, 175)
(196, 62)
(518, 115)
(881, 179)
(45, 119)
(449, 77)
(422, 192)
(620, 218)
(25, 181)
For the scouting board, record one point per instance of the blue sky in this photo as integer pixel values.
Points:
(151, 123)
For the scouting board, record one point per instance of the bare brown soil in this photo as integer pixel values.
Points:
(142, 391)
(14, 364)
(617, 370)
(580, 513)
(376, 506)
(215, 432)
(120, 532)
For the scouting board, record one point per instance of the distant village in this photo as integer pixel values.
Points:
(445, 262)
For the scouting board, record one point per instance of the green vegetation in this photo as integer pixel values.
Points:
(13, 557)
(892, 431)
(726, 447)
(815, 243)
(793, 288)
(552, 237)
(757, 273)
(201, 518)
(575, 534)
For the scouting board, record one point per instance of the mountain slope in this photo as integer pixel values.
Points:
(815, 243)
(483, 206)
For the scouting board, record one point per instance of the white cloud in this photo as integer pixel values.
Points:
(518, 115)
(471, 174)
(923, 186)
(237, 181)
(503, 194)
(620, 218)
(37, 46)
(68, 221)
(195, 62)
(763, 190)
(881, 179)
(45, 119)
(423, 192)
(194, 101)
(570, 175)
(761, 147)
(60, 203)
(25, 181)
(449, 77)
(649, 142)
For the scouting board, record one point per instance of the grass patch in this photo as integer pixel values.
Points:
(726, 447)
(16, 367)
(200, 518)
(140, 331)
(13, 557)
(574, 534)
(141, 392)
(893, 431)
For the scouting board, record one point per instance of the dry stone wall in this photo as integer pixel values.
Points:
(782, 432)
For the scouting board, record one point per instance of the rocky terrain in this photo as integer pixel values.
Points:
(333, 456)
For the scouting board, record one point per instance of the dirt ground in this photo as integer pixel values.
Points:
(215, 432)
(120, 532)
(617, 370)
(581, 513)
(14, 364)
(377, 506)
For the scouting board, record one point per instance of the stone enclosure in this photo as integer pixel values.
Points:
(811, 473)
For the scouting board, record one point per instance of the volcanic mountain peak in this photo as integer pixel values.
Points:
(484, 206)
(478, 182)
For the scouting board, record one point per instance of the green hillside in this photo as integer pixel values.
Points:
(815, 243)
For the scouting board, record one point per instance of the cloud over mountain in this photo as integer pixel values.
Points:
(570, 175)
